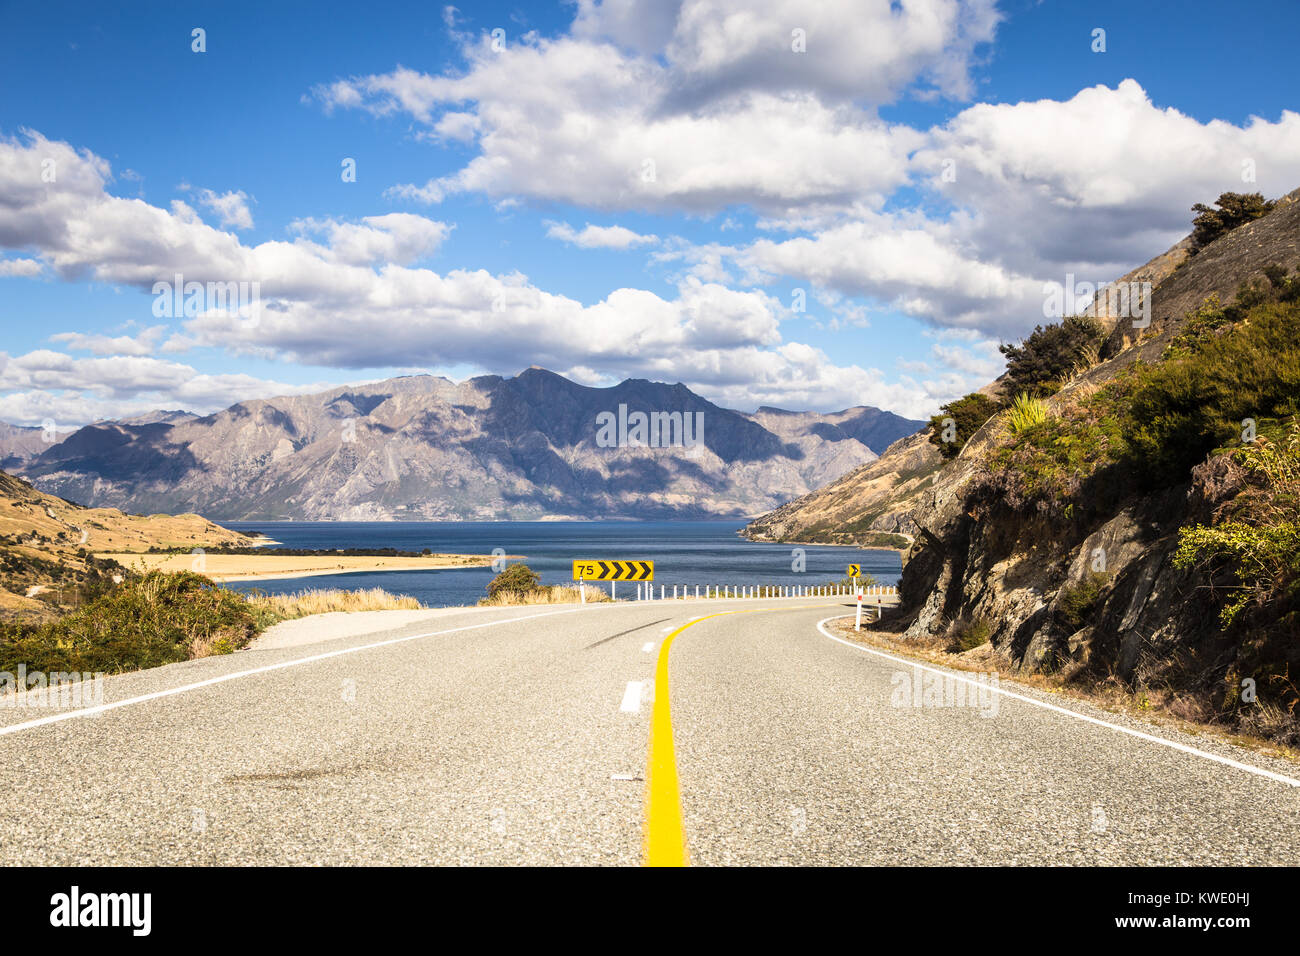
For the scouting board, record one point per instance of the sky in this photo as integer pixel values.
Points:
(812, 206)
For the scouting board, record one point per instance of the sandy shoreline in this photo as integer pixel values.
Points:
(226, 568)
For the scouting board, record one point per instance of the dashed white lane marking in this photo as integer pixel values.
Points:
(666, 629)
(1173, 744)
(631, 698)
(648, 647)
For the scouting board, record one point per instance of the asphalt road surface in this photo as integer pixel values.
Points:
(526, 736)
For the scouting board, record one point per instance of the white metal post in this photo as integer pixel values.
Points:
(857, 625)
(582, 592)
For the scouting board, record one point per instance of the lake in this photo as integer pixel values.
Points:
(684, 552)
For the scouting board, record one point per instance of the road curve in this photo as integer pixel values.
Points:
(522, 735)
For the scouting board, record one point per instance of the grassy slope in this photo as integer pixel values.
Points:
(48, 545)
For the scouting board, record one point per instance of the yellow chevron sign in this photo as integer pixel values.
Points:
(613, 570)
(854, 570)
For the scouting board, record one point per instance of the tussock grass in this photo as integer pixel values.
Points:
(558, 594)
(286, 607)
(1025, 413)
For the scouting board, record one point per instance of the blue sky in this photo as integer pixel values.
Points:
(460, 248)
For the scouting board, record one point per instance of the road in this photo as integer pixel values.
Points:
(523, 735)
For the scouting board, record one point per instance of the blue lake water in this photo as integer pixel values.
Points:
(684, 553)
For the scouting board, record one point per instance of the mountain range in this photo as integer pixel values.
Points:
(426, 448)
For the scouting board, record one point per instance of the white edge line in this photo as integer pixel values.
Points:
(184, 688)
(1259, 771)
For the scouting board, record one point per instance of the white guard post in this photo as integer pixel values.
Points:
(857, 625)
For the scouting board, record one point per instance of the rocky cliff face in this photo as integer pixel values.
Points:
(422, 448)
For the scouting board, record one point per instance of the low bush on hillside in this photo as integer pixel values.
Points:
(1286, 287)
(1259, 544)
(1235, 209)
(1078, 601)
(1050, 463)
(967, 633)
(69, 583)
(1186, 407)
(1052, 355)
(958, 420)
(150, 620)
(1153, 422)
(1201, 324)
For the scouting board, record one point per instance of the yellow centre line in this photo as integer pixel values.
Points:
(665, 833)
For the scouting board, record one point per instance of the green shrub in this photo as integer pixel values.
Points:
(517, 577)
(158, 618)
(1260, 544)
(1026, 413)
(1154, 421)
(1052, 355)
(1078, 602)
(1184, 408)
(1235, 209)
(968, 634)
(1287, 288)
(958, 420)
(1206, 320)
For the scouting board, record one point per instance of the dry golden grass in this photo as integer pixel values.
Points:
(303, 603)
(546, 595)
(58, 524)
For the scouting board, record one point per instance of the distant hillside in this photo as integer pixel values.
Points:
(19, 444)
(422, 447)
(47, 544)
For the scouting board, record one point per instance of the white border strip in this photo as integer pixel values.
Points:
(185, 688)
(1258, 771)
